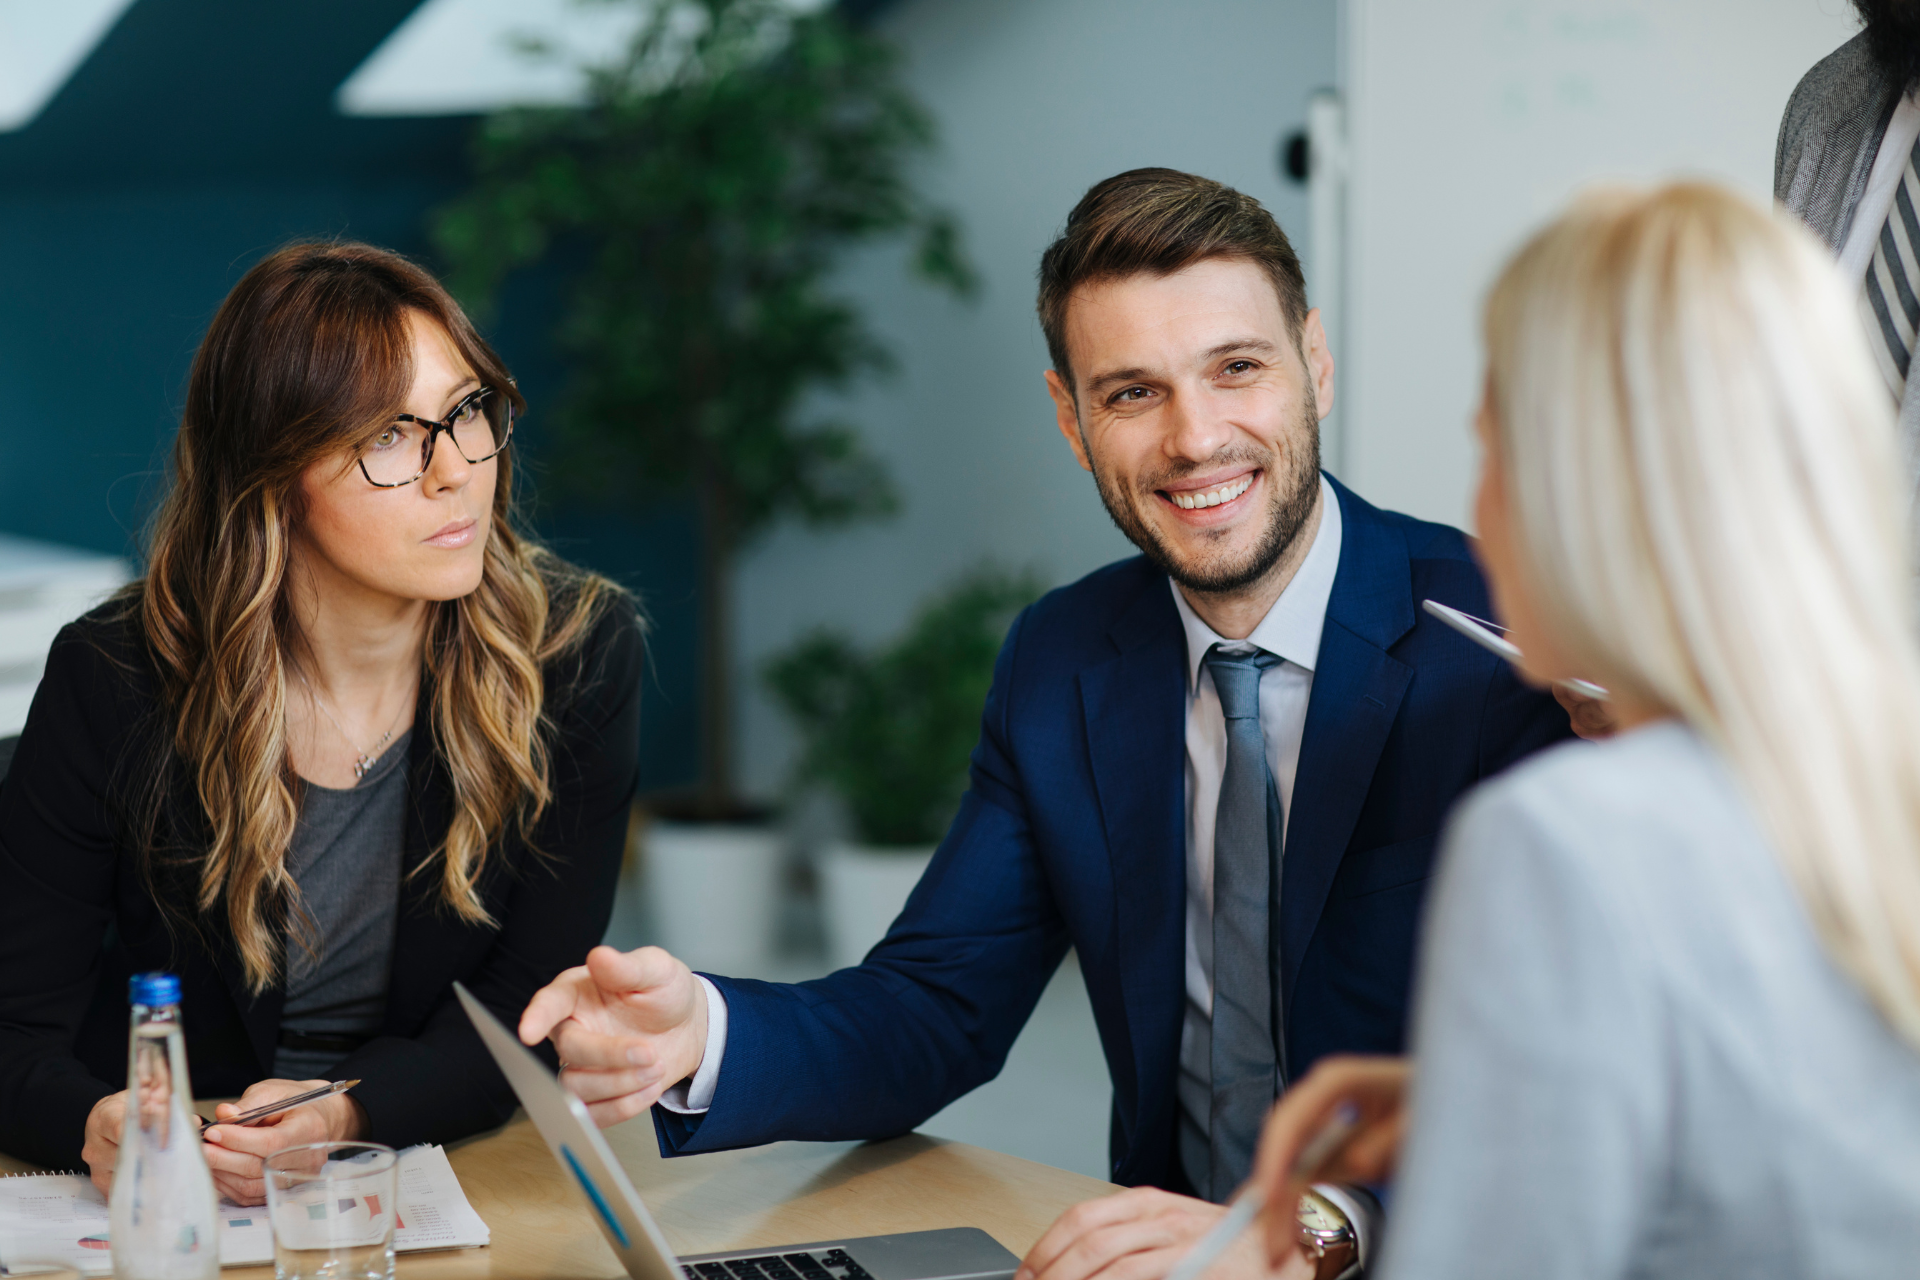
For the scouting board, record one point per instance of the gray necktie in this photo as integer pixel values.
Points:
(1246, 867)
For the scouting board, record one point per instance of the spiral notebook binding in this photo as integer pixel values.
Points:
(46, 1173)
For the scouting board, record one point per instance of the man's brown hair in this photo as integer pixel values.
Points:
(1161, 221)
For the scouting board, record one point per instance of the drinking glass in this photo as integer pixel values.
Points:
(333, 1210)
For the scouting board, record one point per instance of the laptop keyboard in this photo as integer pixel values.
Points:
(833, 1264)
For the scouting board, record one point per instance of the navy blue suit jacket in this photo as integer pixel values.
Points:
(1073, 834)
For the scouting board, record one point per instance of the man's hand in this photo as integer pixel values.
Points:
(629, 1026)
(1592, 718)
(1376, 1089)
(102, 1148)
(1141, 1235)
(235, 1152)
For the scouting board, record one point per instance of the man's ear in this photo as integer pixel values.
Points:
(1067, 416)
(1319, 359)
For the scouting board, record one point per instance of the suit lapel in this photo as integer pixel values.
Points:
(426, 932)
(1135, 710)
(1134, 706)
(259, 1014)
(209, 937)
(1357, 689)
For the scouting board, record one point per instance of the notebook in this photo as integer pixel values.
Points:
(62, 1218)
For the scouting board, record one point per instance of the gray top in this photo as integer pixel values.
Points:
(345, 857)
(1635, 1057)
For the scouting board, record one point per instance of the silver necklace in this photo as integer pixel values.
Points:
(367, 757)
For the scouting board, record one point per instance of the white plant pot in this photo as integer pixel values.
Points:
(862, 888)
(715, 891)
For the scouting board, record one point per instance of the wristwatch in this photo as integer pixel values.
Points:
(1328, 1237)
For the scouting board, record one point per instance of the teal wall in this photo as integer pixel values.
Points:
(197, 137)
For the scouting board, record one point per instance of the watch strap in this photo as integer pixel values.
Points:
(1362, 1211)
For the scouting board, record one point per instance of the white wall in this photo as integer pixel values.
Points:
(1036, 101)
(1470, 122)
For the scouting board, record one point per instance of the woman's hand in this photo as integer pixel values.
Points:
(1591, 718)
(235, 1152)
(1376, 1089)
(102, 1148)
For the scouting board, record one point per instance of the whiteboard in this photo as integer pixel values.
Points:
(1469, 122)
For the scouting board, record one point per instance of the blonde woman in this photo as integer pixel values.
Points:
(1668, 1020)
(351, 738)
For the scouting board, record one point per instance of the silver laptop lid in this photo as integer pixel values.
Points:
(578, 1148)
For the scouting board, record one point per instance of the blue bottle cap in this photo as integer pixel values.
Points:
(153, 989)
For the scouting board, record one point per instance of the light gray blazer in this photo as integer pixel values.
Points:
(1829, 137)
(1635, 1056)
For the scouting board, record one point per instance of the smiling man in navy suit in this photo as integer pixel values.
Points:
(1216, 770)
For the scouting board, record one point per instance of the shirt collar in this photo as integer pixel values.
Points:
(1291, 629)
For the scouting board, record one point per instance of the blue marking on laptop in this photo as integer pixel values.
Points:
(593, 1194)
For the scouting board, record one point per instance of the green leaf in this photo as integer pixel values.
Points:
(892, 731)
(718, 172)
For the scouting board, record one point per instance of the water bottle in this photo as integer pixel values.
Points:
(163, 1216)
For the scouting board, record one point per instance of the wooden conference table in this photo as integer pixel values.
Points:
(787, 1193)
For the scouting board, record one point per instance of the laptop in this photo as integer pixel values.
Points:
(957, 1253)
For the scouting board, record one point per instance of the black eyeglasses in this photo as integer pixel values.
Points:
(479, 427)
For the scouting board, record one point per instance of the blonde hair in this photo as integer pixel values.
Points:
(308, 358)
(1702, 467)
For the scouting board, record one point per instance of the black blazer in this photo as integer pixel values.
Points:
(80, 911)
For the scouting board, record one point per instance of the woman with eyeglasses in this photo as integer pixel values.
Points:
(1668, 1013)
(353, 737)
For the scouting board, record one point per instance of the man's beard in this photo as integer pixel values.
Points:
(1893, 37)
(1293, 479)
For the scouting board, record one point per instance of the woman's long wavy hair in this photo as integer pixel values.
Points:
(306, 362)
(1706, 483)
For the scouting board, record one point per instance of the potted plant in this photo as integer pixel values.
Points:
(890, 733)
(696, 205)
